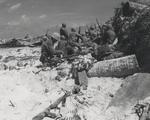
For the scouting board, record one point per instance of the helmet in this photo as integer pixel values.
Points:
(86, 31)
(108, 26)
(63, 25)
(73, 30)
(92, 27)
(44, 38)
(56, 36)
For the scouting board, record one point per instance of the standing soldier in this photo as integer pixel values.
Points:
(64, 32)
(73, 36)
(109, 35)
(73, 41)
(92, 32)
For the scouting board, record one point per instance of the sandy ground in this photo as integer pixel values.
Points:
(24, 94)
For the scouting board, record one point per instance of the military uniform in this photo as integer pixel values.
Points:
(92, 33)
(64, 32)
(73, 42)
(48, 51)
(109, 35)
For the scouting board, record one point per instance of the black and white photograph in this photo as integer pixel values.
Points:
(74, 59)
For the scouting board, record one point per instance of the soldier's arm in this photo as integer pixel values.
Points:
(44, 54)
(80, 36)
(66, 34)
(57, 52)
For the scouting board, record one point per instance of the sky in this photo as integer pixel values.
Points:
(18, 17)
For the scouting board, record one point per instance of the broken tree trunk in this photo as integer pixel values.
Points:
(44, 114)
(47, 113)
(119, 67)
(145, 114)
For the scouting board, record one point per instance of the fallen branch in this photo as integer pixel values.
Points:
(47, 113)
(11, 104)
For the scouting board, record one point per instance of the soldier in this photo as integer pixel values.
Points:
(92, 32)
(73, 44)
(73, 36)
(127, 10)
(64, 32)
(109, 35)
(48, 49)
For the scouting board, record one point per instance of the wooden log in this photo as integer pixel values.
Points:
(44, 114)
(145, 114)
(119, 67)
(47, 113)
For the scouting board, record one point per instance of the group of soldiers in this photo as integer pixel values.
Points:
(65, 43)
(100, 40)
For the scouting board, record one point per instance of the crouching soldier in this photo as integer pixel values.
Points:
(109, 35)
(48, 48)
(73, 45)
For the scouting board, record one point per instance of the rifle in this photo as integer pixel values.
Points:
(101, 29)
(56, 62)
(99, 25)
(79, 32)
(47, 112)
(88, 29)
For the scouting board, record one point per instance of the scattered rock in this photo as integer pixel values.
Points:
(98, 88)
(1, 57)
(76, 89)
(9, 58)
(111, 95)
(58, 78)
(12, 68)
(18, 50)
(3, 67)
(62, 74)
(46, 90)
(135, 88)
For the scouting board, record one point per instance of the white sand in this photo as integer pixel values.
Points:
(26, 91)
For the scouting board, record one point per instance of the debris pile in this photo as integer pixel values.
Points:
(18, 58)
(25, 97)
(22, 42)
(133, 33)
(80, 76)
